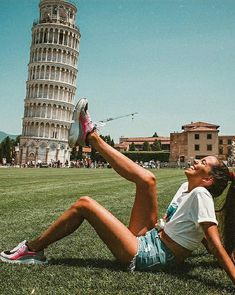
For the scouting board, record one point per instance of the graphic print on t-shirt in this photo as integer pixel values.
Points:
(171, 211)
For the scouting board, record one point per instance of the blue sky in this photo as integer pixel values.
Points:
(172, 61)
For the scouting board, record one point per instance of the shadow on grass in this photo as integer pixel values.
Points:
(182, 272)
(185, 272)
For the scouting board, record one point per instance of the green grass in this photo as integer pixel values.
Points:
(30, 199)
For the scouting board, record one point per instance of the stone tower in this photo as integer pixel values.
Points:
(50, 88)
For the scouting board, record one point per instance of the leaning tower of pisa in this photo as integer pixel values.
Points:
(50, 88)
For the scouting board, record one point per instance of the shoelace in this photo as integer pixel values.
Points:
(99, 124)
(18, 247)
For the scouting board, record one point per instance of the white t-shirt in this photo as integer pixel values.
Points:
(186, 211)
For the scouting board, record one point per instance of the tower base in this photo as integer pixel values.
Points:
(36, 151)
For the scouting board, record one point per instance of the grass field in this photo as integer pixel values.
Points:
(30, 199)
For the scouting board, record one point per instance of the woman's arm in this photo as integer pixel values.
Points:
(212, 236)
(206, 245)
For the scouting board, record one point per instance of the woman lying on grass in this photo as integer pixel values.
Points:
(190, 218)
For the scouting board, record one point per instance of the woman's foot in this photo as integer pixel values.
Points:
(81, 125)
(22, 255)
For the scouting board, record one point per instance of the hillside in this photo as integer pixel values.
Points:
(4, 135)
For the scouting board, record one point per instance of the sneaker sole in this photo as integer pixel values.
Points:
(24, 261)
(74, 127)
(82, 103)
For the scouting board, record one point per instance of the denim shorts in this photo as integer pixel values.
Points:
(152, 253)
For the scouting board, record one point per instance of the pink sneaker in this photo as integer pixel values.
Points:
(81, 125)
(21, 255)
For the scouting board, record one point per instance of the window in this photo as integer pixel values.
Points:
(209, 136)
(209, 147)
(61, 37)
(221, 150)
(197, 147)
(221, 141)
(229, 141)
(182, 159)
(54, 10)
(196, 136)
(54, 134)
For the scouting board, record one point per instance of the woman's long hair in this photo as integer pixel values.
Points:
(229, 221)
(221, 177)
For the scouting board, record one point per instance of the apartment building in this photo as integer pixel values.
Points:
(197, 140)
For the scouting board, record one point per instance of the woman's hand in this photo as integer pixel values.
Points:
(214, 242)
(206, 245)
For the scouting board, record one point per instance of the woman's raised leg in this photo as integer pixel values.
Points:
(144, 211)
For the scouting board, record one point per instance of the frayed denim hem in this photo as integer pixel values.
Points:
(132, 266)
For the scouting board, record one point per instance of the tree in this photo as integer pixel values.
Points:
(108, 139)
(76, 153)
(93, 154)
(155, 134)
(6, 149)
(146, 146)
(79, 153)
(132, 147)
(1, 153)
(17, 140)
(73, 154)
(157, 146)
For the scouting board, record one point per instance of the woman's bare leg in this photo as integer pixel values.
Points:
(119, 239)
(144, 211)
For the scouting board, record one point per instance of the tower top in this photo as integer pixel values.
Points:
(58, 2)
(58, 11)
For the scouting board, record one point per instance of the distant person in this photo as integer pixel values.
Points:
(190, 218)
(158, 165)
